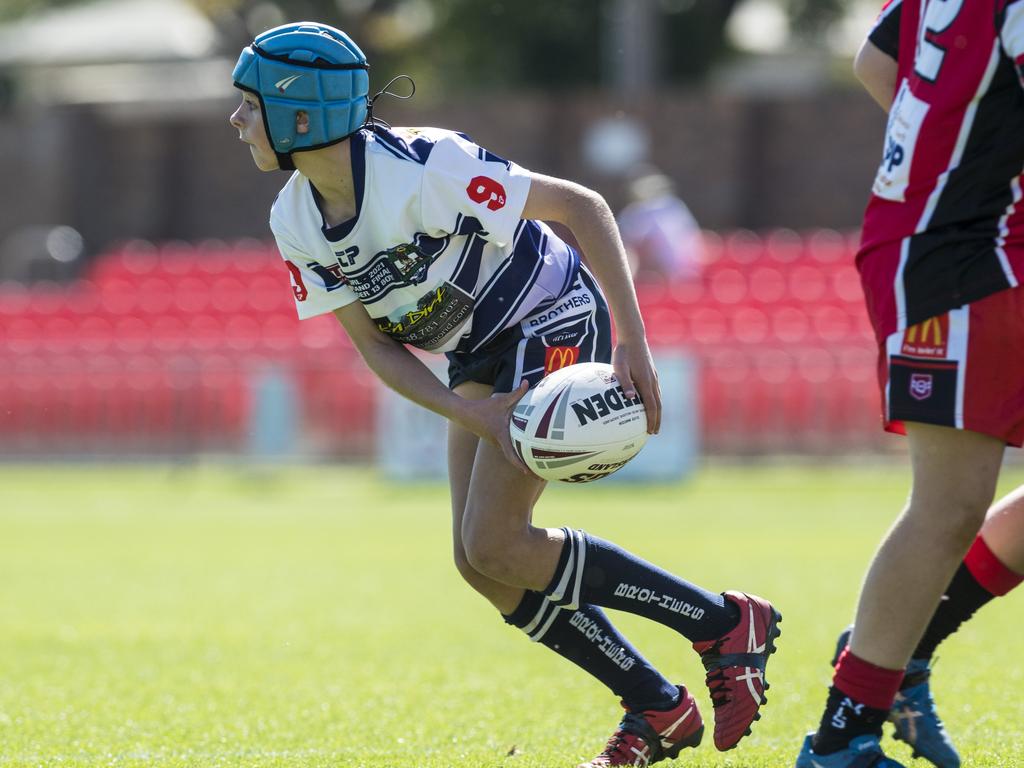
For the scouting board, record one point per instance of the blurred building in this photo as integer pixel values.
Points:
(116, 125)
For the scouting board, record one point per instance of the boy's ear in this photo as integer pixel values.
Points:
(301, 122)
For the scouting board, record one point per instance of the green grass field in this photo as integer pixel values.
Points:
(212, 617)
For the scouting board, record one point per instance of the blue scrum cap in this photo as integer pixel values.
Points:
(308, 67)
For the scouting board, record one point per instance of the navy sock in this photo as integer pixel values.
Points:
(588, 639)
(844, 720)
(963, 597)
(598, 572)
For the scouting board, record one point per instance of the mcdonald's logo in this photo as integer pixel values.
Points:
(929, 338)
(560, 357)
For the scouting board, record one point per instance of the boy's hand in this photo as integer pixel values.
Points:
(491, 418)
(635, 371)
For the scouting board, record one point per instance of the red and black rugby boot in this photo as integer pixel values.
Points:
(735, 664)
(644, 738)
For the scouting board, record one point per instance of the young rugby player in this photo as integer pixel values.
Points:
(419, 237)
(941, 261)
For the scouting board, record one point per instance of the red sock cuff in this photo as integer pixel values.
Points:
(989, 571)
(865, 683)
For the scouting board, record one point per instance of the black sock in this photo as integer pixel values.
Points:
(845, 720)
(595, 571)
(963, 597)
(588, 639)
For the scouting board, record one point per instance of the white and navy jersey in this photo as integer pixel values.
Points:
(945, 214)
(437, 252)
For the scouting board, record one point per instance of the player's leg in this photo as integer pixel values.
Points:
(585, 636)
(982, 576)
(575, 568)
(1003, 531)
(661, 718)
(955, 473)
(994, 383)
(994, 565)
(970, 374)
(462, 447)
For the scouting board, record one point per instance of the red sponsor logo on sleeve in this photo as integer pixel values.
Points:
(560, 357)
(297, 285)
(484, 189)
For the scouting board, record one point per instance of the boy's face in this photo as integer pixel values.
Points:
(249, 122)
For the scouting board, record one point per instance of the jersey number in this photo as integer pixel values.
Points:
(938, 16)
(483, 189)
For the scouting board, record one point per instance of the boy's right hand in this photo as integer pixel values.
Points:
(490, 420)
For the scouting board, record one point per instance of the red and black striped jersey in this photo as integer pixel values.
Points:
(945, 224)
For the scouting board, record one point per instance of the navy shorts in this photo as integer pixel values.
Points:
(575, 328)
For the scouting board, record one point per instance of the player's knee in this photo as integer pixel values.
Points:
(489, 555)
(956, 518)
(963, 525)
(469, 574)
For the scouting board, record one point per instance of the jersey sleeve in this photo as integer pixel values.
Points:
(316, 289)
(1011, 33)
(467, 188)
(885, 35)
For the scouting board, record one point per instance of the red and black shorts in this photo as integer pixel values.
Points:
(575, 328)
(963, 369)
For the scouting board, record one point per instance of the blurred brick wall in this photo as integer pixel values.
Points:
(800, 161)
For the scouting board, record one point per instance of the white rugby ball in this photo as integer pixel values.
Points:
(577, 425)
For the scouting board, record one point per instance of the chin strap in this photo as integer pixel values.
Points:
(372, 121)
(284, 161)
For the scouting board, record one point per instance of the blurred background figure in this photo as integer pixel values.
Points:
(662, 238)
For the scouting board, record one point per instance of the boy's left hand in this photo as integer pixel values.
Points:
(635, 371)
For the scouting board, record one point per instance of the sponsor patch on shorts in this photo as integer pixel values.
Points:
(556, 358)
(923, 390)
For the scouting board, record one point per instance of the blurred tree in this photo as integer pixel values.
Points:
(693, 37)
(12, 9)
(488, 43)
(812, 18)
(494, 43)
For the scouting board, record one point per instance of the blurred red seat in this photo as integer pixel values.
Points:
(177, 257)
(155, 296)
(687, 291)
(789, 325)
(191, 294)
(280, 332)
(749, 325)
(807, 284)
(727, 286)
(131, 334)
(830, 323)
(742, 246)
(827, 246)
(767, 285)
(167, 333)
(846, 285)
(665, 326)
(713, 246)
(228, 295)
(707, 326)
(784, 246)
(242, 333)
